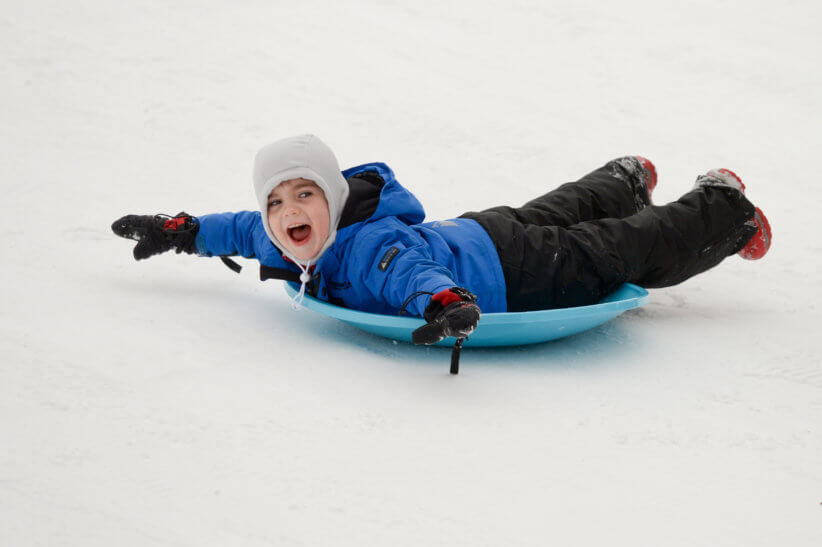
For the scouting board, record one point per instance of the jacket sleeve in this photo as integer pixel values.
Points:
(228, 234)
(392, 261)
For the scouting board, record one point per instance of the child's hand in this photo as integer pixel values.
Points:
(157, 234)
(452, 312)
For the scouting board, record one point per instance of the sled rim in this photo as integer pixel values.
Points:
(626, 297)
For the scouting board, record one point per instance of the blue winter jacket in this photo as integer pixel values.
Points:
(382, 254)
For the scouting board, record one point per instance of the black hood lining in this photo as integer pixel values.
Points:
(363, 197)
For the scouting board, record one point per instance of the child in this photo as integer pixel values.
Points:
(356, 238)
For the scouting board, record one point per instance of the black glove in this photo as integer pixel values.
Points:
(158, 233)
(452, 312)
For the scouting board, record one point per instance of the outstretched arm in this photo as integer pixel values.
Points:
(228, 234)
(398, 268)
(221, 234)
(393, 263)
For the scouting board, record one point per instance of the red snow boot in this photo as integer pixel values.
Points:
(650, 179)
(759, 244)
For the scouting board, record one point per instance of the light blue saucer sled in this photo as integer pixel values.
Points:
(496, 329)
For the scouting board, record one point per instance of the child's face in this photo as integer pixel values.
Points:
(298, 217)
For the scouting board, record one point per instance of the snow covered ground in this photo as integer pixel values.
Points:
(171, 402)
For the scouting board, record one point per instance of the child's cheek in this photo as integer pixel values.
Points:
(273, 224)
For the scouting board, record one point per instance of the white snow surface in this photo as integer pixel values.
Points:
(171, 402)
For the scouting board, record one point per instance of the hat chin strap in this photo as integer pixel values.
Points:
(305, 277)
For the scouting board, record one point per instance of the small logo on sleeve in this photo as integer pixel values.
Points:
(387, 258)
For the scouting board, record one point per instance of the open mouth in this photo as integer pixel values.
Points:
(299, 233)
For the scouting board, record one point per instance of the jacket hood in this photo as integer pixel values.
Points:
(375, 194)
(307, 157)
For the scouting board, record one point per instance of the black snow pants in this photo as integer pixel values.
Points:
(577, 243)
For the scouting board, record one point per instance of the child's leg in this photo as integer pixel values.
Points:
(554, 267)
(616, 190)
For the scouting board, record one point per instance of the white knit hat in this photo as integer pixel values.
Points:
(307, 157)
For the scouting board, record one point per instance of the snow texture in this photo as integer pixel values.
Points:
(171, 402)
(638, 179)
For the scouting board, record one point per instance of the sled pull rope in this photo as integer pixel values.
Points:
(455, 356)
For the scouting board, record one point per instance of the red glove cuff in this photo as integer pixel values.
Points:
(174, 224)
(446, 297)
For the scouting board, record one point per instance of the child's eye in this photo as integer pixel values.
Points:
(273, 202)
(305, 194)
